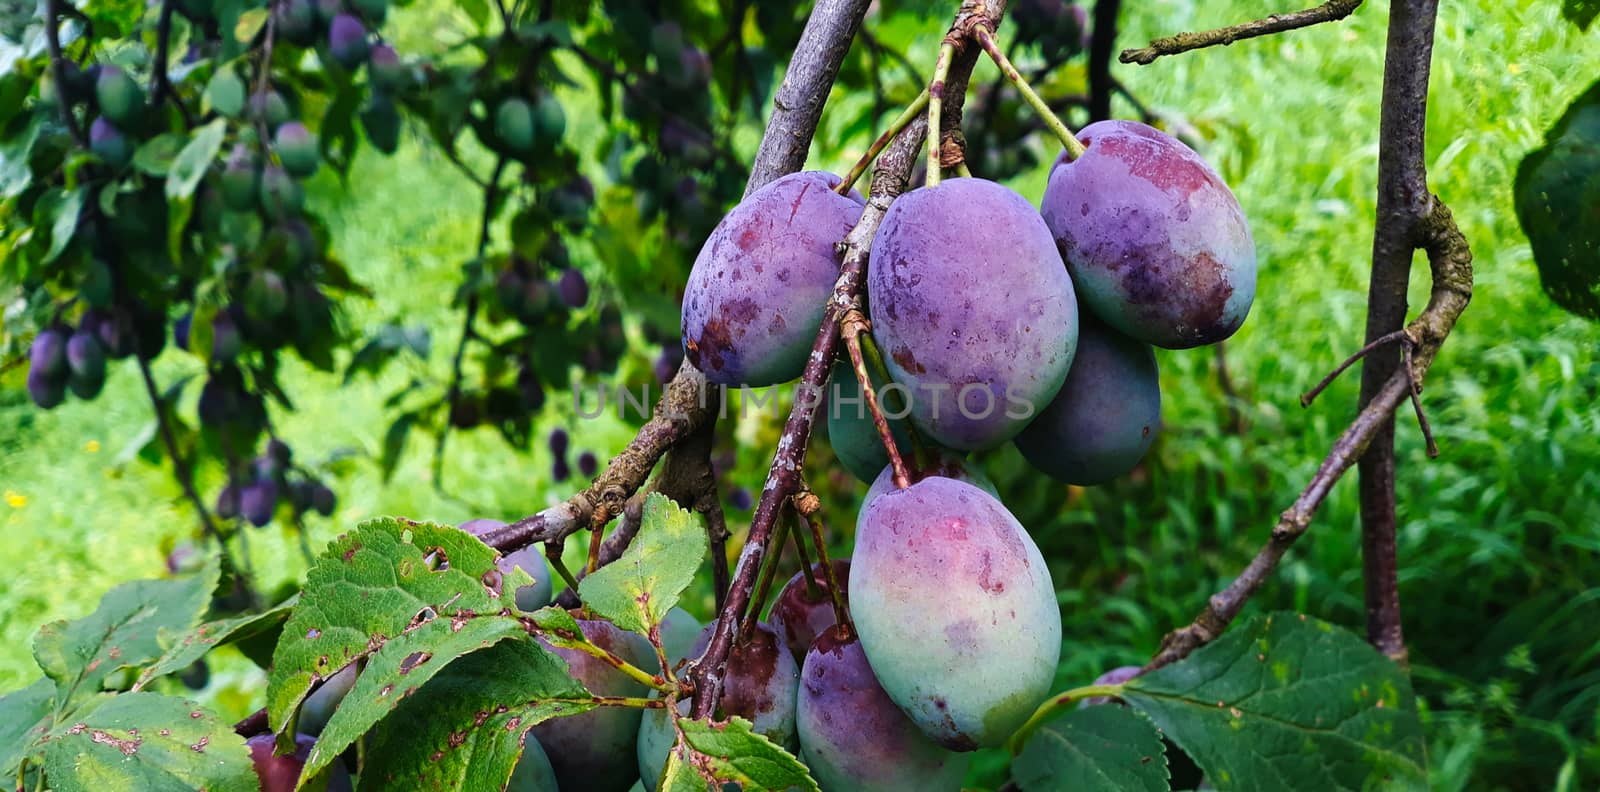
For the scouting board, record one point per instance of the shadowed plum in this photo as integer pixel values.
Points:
(319, 706)
(282, 773)
(761, 682)
(1105, 417)
(955, 609)
(973, 309)
(533, 772)
(852, 735)
(758, 288)
(799, 615)
(590, 751)
(852, 433)
(656, 737)
(1156, 242)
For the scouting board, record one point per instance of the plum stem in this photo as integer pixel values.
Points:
(899, 123)
(893, 400)
(805, 561)
(808, 506)
(634, 672)
(941, 72)
(780, 533)
(1053, 706)
(1040, 106)
(1331, 11)
(851, 329)
(553, 554)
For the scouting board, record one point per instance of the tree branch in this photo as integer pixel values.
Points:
(1102, 42)
(1331, 11)
(952, 141)
(1450, 261)
(1404, 206)
(52, 40)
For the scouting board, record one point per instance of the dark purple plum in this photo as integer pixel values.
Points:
(955, 609)
(87, 363)
(799, 614)
(46, 391)
(740, 499)
(558, 442)
(257, 501)
(347, 40)
(973, 309)
(228, 502)
(535, 595)
(282, 773)
(1115, 676)
(588, 464)
(48, 353)
(854, 738)
(761, 682)
(1105, 417)
(759, 285)
(560, 471)
(590, 751)
(1156, 242)
(323, 499)
(573, 289)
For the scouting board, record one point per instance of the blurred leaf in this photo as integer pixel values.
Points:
(148, 741)
(1581, 12)
(636, 591)
(1103, 747)
(249, 24)
(24, 718)
(225, 92)
(1558, 203)
(1288, 700)
(124, 631)
(201, 640)
(191, 164)
(156, 156)
(439, 737)
(15, 171)
(734, 752)
(62, 210)
(394, 443)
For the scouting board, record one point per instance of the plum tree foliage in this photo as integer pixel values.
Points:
(151, 191)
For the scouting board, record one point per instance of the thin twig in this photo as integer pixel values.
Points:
(808, 506)
(1070, 142)
(1102, 42)
(853, 326)
(1331, 11)
(1322, 384)
(912, 111)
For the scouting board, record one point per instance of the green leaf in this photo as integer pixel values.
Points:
(249, 24)
(148, 741)
(439, 738)
(155, 156)
(198, 642)
(191, 164)
(124, 631)
(636, 591)
(1557, 197)
(1581, 12)
(1105, 747)
(1286, 701)
(16, 172)
(734, 752)
(394, 444)
(66, 207)
(680, 775)
(225, 92)
(385, 591)
(24, 718)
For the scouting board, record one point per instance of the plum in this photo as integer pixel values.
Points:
(572, 289)
(1156, 242)
(241, 179)
(270, 107)
(530, 597)
(386, 69)
(533, 772)
(973, 309)
(955, 609)
(109, 144)
(514, 125)
(680, 631)
(319, 706)
(347, 40)
(281, 195)
(297, 149)
(282, 773)
(1105, 417)
(760, 683)
(854, 738)
(851, 431)
(799, 615)
(656, 737)
(1115, 676)
(87, 363)
(120, 98)
(48, 354)
(257, 500)
(589, 751)
(46, 391)
(760, 283)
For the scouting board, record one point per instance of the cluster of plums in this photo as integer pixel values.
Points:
(261, 484)
(974, 298)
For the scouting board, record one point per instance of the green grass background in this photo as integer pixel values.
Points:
(1500, 536)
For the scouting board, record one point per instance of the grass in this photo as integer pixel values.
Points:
(1500, 537)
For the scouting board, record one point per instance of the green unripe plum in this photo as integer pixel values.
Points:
(297, 149)
(386, 69)
(241, 179)
(590, 751)
(382, 122)
(270, 107)
(854, 738)
(281, 195)
(679, 631)
(120, 98)
(550, 120)
(347, 41)
(265, 296)
(851, 430)
(514, 125)
(656, 737)
(955, 609)
(371, 10)
(319, 707)
(109, 144)
(533, 772)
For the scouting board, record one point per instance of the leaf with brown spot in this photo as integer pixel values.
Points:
(636, 591)
(147, 741)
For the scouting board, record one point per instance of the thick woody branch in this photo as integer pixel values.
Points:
(965, 54)
(58, 65)
(1450, 261)
(783, 478)
(1331, 11)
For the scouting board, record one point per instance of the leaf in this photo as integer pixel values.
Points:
(409, 596)
(465, 728)
(24, 718)
(148, 741)
(16, 173)
(155, 156)
(249, 24)
(191, 164)
(733, 752)
(225, 92)
(123, 631)
(1105, 747)
(1557, 197)
(201, 640)
(636, 591)
(1581, 12)
(394, 444)
(1286, 701)
(67, 207)
(680, 775)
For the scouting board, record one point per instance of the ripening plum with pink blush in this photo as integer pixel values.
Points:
(756, 294)
(973, 309)
(800, 612)
(1156, 242)
(760, 683)
(853, 737)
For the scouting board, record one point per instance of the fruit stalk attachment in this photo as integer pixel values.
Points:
(853, 327)
(1057, 127)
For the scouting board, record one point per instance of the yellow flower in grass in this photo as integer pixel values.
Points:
(16, 500)
(92, 447)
